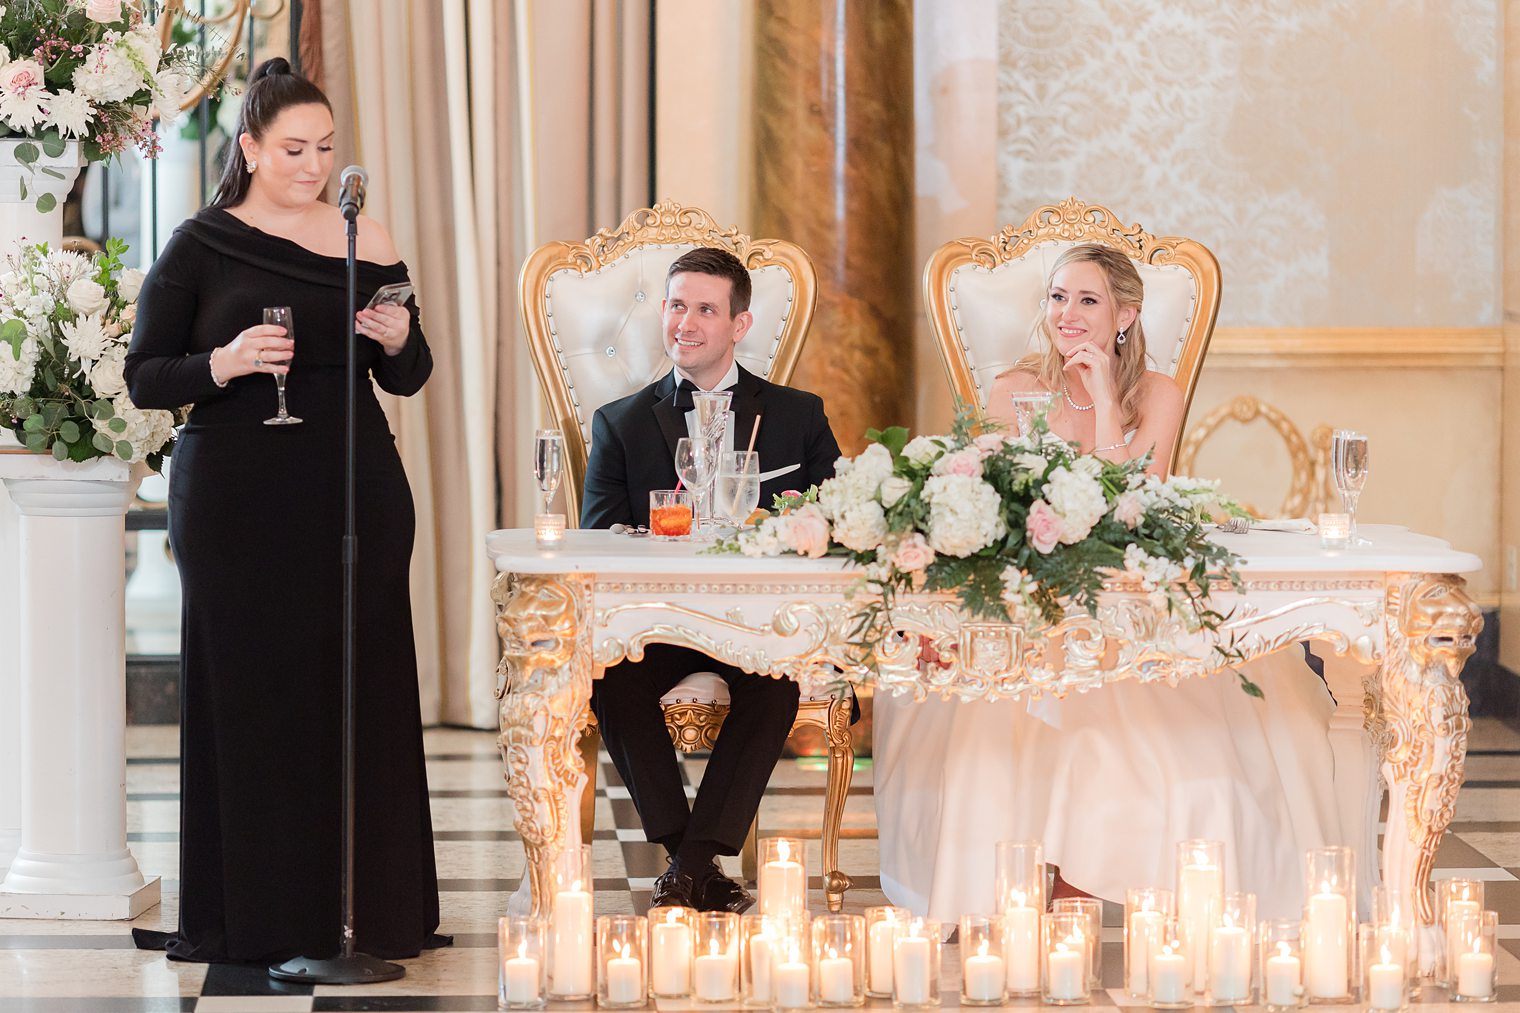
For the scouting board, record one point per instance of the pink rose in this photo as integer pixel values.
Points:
(966, 463)
(21, 77)
(1043, 527)
(913, 554)
(988, 443)
(791, 493)
(1128, 509)
(807, 531)
(107, 12)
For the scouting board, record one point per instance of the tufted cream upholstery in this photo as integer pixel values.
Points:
(592, 312)
(983, 296)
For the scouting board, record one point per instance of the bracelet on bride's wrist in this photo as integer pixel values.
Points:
(1111, 446)
(211, 363)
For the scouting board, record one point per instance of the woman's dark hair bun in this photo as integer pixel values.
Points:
(269, 68)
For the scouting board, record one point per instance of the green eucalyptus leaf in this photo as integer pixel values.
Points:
(103, 443)
(26, 152)
(36, 442)
(22, 183)
(22, 407)
(46, 202)
(69, 431)
(103, 409)
(52, 144)
(124, 450)
(60, 451)
(48, 170)
(117, 425)
(34, 424)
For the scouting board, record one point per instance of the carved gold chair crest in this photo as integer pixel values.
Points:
(592, 314)
(983, 295)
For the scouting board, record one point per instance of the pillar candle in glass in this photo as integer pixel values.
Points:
(1200, 890)
(1329, 911)
(1168, 970)
(791, 976)
(1395, 927)
(839, 960)
(915, 964)
(1144, 910)
(783, 878)
(761, 940)
(1282, 964)
(670, 951)
(571, 929)
(881, 930)
(1064, 961)
(715, 967)
(1474, 957)
(1384, 977)
(1232, 952)
(983, 970)
(622, 951)
(521, 945)
(1454, 897)
(1019, 892)
(1093, 909)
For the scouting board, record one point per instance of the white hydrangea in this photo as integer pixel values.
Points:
(856, 481)
(1079, 499)
(1155, 572)
(108, 74)
(874, 464)
(130, 283)
(106, 374)
(894, 488)
(861, 527)
(147, 431)
(965, 514)
(16, 370)
(86, 337)
(86, 296)
(922, 450)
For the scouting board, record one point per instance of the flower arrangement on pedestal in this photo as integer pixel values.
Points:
(86, 70)
(1021, 529)
(65, 323)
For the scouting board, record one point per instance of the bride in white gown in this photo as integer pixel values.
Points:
(1108, 780)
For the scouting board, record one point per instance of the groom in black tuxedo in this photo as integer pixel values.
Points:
(633, 444)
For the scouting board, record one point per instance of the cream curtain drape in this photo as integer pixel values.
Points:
(486, 127)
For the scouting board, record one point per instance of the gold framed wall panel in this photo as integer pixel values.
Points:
(1369, 347)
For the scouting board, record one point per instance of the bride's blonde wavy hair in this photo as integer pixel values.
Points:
(1124, 289)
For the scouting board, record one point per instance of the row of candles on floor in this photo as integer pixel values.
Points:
(1189, 944)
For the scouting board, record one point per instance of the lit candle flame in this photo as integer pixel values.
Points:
(783, 849)
(712, 947)
(1284, 950)
(982, 949)
(575, 887)
(522, 948)
(624, 951)
(672, 917)
(833, 953)
(1387, 955)
(1019, 898)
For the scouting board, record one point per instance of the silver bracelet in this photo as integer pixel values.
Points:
(211, 362)
(1111, 446)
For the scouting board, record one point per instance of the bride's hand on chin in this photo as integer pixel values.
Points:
(1090, 364)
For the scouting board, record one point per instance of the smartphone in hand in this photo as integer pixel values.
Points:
(391, 295)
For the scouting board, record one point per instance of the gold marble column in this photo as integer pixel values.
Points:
(833, 142)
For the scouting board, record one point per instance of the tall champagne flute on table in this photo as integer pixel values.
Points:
(281, 316)
(1349, 465)
(696, 464)
(548, 462)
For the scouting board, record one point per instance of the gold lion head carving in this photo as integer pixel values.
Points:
(1439, 623)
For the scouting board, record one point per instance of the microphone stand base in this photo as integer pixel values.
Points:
(356, 969)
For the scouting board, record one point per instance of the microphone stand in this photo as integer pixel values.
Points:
(349, 967)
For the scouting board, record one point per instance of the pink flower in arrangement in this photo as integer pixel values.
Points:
(20, 78)
(1043, 527)
(989, 443)
(106, 12)
(807, 531)
(791, 493)
(913, 554)
(966, 463)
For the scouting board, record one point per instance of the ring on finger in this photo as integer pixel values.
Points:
(258, 363)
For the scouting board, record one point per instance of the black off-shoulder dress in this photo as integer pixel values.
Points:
(256, 522)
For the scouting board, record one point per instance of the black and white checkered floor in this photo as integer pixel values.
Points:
(91, 967)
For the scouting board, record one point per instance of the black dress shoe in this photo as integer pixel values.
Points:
(720, 893)
(674, 888)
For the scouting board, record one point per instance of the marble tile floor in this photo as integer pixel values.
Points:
(91, 967)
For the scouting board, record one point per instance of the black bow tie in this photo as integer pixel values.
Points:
(684, 391)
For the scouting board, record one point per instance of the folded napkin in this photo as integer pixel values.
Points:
(1293, 525)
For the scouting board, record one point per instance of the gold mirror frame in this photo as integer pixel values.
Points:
(237, 17)
(666, 224)
(1072, 220)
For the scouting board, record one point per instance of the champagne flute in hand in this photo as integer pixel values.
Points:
(1349, 465)
(281, 316)
(548, 462)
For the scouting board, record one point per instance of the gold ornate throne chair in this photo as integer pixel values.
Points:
(982, 295)
(592, 314)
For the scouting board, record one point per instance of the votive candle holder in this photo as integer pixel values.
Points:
(915, 964)
(522, 944)
(1335, 530)
(792, 971)
(1019, 876)
(1474, 956)
(762, 941)
(548, 530)
(1397, 927)
(1384, 975)
(782, 879)
(671, 946)
(1169, 975)
(1145, 909)
(715, 961)
(839, 960)
(1282, 964)
(1454, 897)
(1064, 944)
(881, 931)
(572, 929)
(1329, 925)
(1200, 890)
(622, 948)
(1232, 952)
(1093, 909)
(984, 972)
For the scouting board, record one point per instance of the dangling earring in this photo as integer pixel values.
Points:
(1121, 338)
(252, 165)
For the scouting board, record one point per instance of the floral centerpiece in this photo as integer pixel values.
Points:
(65, 323)
(87, 70)
(1020, 529)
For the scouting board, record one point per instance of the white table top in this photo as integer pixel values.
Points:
(1394, 549)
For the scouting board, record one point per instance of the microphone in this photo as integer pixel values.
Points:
(351, 191)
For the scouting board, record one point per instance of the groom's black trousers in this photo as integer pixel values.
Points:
(626, 702)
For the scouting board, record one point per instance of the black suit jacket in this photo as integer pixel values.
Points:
(633, 445)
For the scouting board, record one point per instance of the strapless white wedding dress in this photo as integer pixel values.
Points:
(1110, 781)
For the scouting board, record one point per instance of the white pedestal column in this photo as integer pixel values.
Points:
(73, 860)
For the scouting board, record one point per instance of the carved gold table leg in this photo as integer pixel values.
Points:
(1432, 627)
(841, 769)
(545, 627)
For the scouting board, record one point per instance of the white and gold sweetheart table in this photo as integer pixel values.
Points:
(1397, 605)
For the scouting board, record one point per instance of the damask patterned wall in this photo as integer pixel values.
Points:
(1341, 157)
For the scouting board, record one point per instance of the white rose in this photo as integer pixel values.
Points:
(106, 376)
(1036, 463)
(87, 296)
(130, 283)
(894, 488)
(86, 338)
(965, 514)
(1129, 509)
(862, 527)
(922, 450)
(107, 12)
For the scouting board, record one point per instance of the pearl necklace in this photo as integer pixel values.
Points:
(1078, 407)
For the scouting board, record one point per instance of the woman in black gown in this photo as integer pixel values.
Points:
(256, 521)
